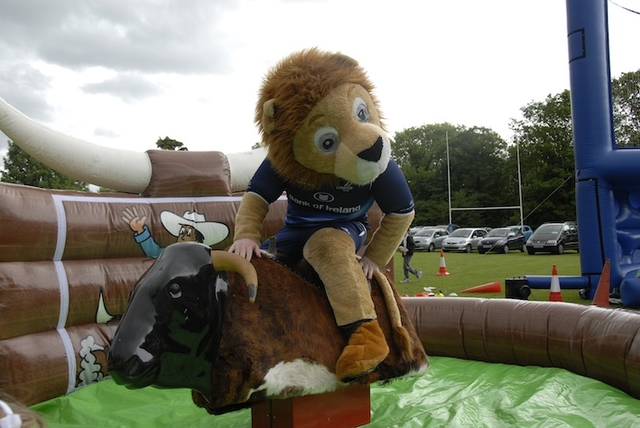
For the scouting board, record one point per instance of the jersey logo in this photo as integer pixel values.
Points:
(323, 197)
(345, 186)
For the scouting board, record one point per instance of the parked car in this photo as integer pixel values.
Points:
(429, 238)
(502, 240)
(464, 239)
(527, 231)
(554, 237)
(414, 229)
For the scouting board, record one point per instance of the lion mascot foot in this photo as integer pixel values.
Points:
(367, 347)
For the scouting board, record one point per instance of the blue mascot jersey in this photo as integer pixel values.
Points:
(344, 202)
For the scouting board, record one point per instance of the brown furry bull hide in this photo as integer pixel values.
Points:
(291, 320)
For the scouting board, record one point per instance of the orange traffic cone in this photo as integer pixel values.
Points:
(555, 295)
(443, 267)
(601, 298)
(491, 287)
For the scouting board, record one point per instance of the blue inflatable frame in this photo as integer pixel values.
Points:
(607, 178)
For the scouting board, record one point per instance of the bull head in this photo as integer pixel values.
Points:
(170, 332)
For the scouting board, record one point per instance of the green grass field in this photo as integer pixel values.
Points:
(468, 270)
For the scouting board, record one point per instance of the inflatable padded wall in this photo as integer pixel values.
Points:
(68, 261)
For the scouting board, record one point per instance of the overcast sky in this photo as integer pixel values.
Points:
(125, 73)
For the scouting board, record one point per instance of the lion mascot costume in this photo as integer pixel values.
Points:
(328, 150)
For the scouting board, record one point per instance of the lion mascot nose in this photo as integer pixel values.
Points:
(374, 152)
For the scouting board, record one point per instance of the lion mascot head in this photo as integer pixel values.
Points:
(320, 121)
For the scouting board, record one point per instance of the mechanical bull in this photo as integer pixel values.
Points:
(194, 321)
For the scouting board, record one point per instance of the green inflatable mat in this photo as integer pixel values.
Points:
(453, 393)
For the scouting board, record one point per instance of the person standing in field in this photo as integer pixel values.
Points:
(407, 246)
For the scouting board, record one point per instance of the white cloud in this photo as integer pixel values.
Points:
(124, 74)
(128, 87)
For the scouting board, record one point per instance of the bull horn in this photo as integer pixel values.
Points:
(118, 169)
(242, 166)
(226, 261)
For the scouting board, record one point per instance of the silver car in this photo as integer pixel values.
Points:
(464, 239)
(414, 229)
(429, 238)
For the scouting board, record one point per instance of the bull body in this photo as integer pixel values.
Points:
(189, 326)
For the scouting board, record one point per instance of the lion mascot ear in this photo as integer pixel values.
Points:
(269, 116)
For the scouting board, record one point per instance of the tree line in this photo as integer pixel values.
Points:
(481, 167)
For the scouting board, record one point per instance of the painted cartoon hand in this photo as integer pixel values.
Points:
(246, 248)
(368, 266)
(136, 221)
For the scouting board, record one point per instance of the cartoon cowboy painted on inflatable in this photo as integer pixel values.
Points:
(191, 226)
(328, 150)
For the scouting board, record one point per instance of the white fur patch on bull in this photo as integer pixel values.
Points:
(297, 378)
(418, 372)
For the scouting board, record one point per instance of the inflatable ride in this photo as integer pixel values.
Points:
(68, 261)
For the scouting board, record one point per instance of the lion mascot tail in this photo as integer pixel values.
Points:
(400, 334)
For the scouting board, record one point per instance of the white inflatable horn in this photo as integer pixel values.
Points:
(118, 169)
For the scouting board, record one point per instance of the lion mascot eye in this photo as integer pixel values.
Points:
(326, 139)
(360, 111)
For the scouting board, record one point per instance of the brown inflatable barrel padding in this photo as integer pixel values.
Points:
(184, 173)
(38, 296)
(596, 342)
(95, 238)
(600, 343)
(35, 367)
(42, 224)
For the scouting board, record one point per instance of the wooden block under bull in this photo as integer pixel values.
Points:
(347, 407)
